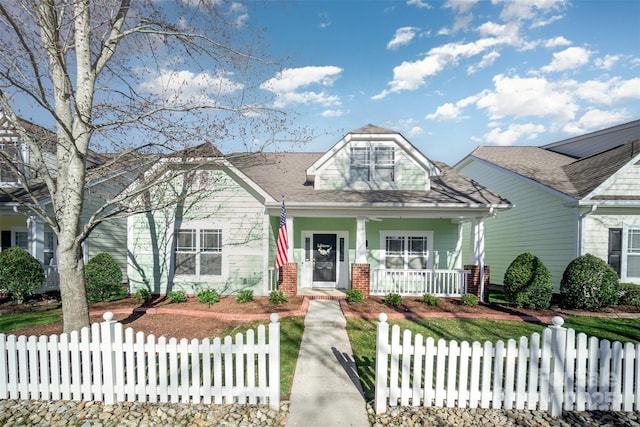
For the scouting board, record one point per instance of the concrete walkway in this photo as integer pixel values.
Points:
(326, 390)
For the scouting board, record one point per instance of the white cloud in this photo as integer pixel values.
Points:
(487, 61)
(527, 9)
(419, 3)
(595, 119)
(461, 6)
(610, 91)
(570, 58)
(332, 113)
(446, 111)
(415, 131)
(607, 62)
(557, 42)
(402, 37)
(535, 97)
(285, 85)
(514, 133)
(188, 88)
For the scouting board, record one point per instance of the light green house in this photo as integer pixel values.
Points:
(576, 196)
(21, 226)
(373, 199)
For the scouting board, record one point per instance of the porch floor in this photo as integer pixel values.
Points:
(327, 294)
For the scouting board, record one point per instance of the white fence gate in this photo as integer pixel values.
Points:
(554, 372)
(105, 363)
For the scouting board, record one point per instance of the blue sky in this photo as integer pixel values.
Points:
(452, 75)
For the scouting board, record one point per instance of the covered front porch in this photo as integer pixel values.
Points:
(410, 255)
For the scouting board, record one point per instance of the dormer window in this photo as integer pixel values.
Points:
(381, 169)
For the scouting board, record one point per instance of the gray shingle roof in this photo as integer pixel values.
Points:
(283, 174)
(573, 177)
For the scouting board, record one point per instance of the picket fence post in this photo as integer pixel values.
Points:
(274, 362)
(382, 353)
(557, 374)
(107, 339)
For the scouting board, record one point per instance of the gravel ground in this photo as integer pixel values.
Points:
(96, 414)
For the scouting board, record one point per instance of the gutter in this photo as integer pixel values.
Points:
(581, 217)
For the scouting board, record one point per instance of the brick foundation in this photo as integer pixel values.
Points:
(473, 281)
(360, 278)
(288, 279)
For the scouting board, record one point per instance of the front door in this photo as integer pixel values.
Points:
(324, 260)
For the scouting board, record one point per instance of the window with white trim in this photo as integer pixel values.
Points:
(379, 167)
(49, 247)
(21, 239)
(408, 251)
(633, 253)
(198, 252)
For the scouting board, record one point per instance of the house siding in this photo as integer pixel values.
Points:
(230, 207)
(335, 174)
(627, 184)
(540, 223)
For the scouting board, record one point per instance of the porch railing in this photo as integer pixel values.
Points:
(449, 283)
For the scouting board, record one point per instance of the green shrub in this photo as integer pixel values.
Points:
(431, 300)
(354, 295)
(103, 279)
(143, 294)
(629, 294)
(588, 283)
(20, 273)
(176, 296)
(393, 299)
(527, 282)
(243, 296)
(208, 296)
(277, 297)
(469, 300)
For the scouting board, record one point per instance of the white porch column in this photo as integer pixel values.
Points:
(35, 236)
(477, 242)
(290, 235)
(361, 240)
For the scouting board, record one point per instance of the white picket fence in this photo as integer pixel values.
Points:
(105, 363)
(558, 370)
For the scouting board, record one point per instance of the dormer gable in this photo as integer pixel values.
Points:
(372, 158)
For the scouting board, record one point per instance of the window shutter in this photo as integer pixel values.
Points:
(615, 248)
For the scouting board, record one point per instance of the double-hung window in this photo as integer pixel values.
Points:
(372, 164)
(410, 251)
(633, 253)
(198, 252)
(360, 164)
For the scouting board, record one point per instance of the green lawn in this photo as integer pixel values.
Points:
(11, 322)
(362, 333)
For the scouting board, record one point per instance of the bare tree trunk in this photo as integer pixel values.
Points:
(72, 289)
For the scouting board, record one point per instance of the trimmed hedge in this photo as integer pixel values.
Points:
(20, 273)
(589, 283)
(103, 279)
(527, 282)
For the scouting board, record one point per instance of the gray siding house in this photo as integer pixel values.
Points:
(572, 197)
(372, 200)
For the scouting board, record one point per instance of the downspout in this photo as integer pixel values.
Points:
(581, 218)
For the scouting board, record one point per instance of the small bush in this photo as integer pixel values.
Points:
(589, 283)
(469, 300)
(143, 294)
(393, 299)
(243, 296)
(20, 273)
(176, 296)
(629, 294)
(431, 300)
(354, 295)
(208, 296)
(527, 282)
(103, 279)
(277, 297)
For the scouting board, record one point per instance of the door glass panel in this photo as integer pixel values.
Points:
(324, 257)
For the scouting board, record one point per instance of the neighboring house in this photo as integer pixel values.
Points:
(20, 227)
(576, 196)
(373, 200)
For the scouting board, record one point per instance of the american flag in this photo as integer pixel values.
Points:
(282, 246)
